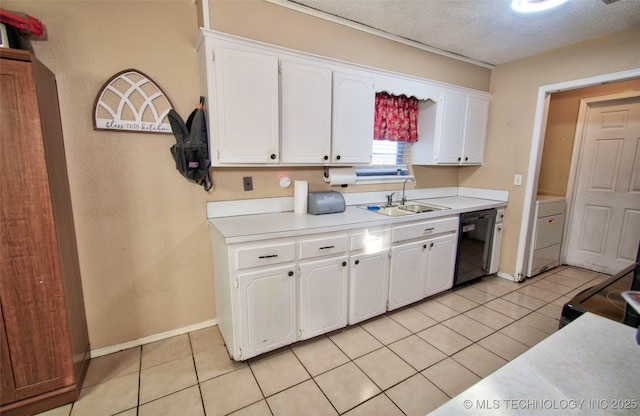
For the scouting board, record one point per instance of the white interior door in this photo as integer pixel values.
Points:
(605, 225)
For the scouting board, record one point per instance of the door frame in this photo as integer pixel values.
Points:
(535, 155)
(577, 156)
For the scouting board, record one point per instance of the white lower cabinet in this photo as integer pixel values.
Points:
(496, 245)
(268, 310)
(407, 274)
(440, 263)
(368, 285)
(422, 266)
(323, 296)
(274, 292)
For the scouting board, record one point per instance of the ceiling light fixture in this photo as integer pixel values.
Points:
(528, 6)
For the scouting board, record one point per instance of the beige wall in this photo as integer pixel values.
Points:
(143, 241)
(144, 247)
(514, 89)
(561, 131)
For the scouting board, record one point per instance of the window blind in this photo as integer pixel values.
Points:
(388, 157)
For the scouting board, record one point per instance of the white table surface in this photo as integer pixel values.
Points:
(590, 367)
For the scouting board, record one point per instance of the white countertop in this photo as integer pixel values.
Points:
(242, 228)
(590, 367)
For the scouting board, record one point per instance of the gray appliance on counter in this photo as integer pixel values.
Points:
(475, 238)
(325, 202)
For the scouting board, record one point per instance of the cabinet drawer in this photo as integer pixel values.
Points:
(550, 208)
(323, 246)
(266, 255)
(543, 259)
(424, 229)
(549, 231)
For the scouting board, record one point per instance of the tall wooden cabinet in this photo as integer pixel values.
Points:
(44, 343)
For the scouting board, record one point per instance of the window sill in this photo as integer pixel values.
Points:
(381, 179)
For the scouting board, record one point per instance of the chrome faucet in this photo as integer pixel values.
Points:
(390, 199)
(404, 198)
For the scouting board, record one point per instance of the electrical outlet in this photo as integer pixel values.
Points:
(247, 183)
(517, 180)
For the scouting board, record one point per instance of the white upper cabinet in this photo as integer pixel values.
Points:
(246, 126)
(453, 130)
(269, 105)
(327, 116)
(476, 129)
(305, 106)
(353, 113)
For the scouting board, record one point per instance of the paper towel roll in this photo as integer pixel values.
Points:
(300, 194)
(341, 176)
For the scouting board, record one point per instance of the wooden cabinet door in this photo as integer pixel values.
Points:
(305, 108)
(35, 337)
(369, 285)
(323, 296)
(246, 108)
(353, 113)
(440, 264)
(407, 270)
(267, 309)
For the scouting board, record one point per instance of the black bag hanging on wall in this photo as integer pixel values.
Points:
(191, 151)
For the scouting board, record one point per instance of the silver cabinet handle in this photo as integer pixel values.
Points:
(428, 230)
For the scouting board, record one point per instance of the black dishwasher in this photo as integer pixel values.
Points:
(475, 237)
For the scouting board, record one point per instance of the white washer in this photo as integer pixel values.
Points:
(546, 240)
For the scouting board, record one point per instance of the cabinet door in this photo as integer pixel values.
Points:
(247, 129)
(353, 111)
(267, 310)
(450, 136)
(305, 113)
(475, 130)
(405, 281)
(34, 344)
(368, 286)
(323, 296)
(440, 264)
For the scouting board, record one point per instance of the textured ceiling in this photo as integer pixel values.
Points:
(487, 31)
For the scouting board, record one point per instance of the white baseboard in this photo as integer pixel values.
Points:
(151, 338)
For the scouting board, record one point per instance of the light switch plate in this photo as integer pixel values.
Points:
(517, 180)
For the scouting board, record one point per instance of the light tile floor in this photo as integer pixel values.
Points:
(407, 362)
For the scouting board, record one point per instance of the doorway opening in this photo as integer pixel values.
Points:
(538, 144)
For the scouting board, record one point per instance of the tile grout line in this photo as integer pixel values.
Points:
(585, 280)
(139, 381)
(195, 368)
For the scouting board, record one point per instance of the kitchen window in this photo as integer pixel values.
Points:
(395, 128)
(390, 161)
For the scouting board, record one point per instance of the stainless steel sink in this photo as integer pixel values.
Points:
(418, 207)
(409, 208)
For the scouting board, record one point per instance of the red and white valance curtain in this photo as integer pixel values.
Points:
(396, 118)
